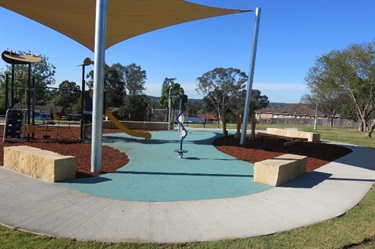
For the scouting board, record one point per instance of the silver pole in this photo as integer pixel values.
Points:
(170, 82)
(251, 76)
(169, 108)
(97, 111)
(316, 116)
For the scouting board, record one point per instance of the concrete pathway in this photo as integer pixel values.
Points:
(55, 210)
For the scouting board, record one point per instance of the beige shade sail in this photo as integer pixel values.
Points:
(125, 18)
(14, 58)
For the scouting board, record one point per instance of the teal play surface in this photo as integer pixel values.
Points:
(156, 173)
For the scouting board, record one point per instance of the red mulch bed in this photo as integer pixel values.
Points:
(318, 154)
(65, 141)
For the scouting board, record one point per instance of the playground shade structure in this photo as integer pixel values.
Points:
(13, 58)
(125, 18)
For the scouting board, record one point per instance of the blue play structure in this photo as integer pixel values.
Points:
(182, 132)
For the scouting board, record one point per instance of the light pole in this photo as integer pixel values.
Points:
(170, 82)
(316, 115)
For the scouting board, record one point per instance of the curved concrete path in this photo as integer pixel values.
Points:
(54, 210)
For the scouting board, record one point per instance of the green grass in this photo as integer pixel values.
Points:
(357, 226)
(338, 134)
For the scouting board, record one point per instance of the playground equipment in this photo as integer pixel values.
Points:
(123, 128)
(86, 127)
(14, 125)
(86, 113)
(15, 118)
(182, 132)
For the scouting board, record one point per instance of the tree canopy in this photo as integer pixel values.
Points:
(66, 96)
(352, 72)
(177, 92)
(43, 72)
(219, 87)
(135, 79)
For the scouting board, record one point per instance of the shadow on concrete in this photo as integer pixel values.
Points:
(364, 157)
(308, 180)
(90, 180)
(351, 179)
(206, 158)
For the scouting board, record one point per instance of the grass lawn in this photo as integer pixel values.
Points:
(337, 134)
(355, 229)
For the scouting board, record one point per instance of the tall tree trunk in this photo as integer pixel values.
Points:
(223, 119)
(253, 124)
(238, 126)
(371, 129)
(331, 121)
(364, 124)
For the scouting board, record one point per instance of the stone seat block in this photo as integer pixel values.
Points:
(294, 133)
(38, 163)
(279, 170)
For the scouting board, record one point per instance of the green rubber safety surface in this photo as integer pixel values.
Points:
(156, 173)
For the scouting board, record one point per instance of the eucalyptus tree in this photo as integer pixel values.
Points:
(114, 85)
(220, 87)
(175, 91)
(352, 71)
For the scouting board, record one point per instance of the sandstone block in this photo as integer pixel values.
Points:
(38, 163)
(279, 170)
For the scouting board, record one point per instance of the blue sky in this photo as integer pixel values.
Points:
(293, 33)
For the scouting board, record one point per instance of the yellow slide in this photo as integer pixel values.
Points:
(123, 128)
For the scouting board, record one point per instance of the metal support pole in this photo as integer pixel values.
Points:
(316, 116)
(33, 105)
(12, 89)
(169, 108)
(97, 112)
(6, 91)
(251, 76)
(170, 81)
(28, 99)
(82, 101)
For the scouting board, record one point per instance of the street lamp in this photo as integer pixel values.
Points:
(316, 115)
(170, 82)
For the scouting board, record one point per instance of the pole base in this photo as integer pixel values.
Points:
(181, 153)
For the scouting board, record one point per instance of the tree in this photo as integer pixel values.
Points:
(351, 70)
(329, 100)
(66, 96)
(136, 108)
(176, 92)
(257, 101)
(117, 80)
(135, 79)
(347, 111)
(136, 102)
(2, 92)
(43, 72)
(114, 85)
(193, 107)
(220, 86)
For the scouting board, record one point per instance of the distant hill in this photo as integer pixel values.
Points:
(273, 104)
(153, 98)
(200, 101)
